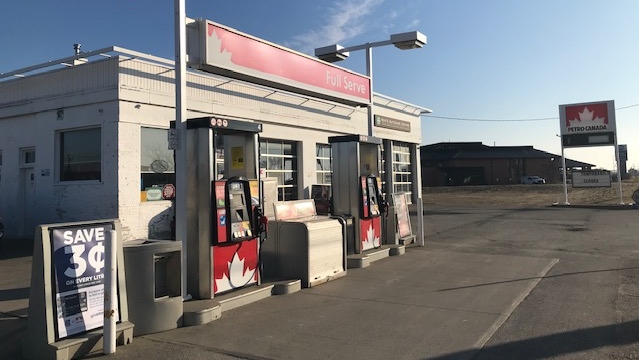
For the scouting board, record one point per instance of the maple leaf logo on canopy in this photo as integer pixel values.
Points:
(587, 117)
(223, 56)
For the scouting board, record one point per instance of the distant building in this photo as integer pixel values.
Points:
(473, 163)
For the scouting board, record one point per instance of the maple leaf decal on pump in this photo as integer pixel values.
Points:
(370, 240)
(238, 275)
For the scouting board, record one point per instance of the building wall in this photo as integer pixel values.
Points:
(433, 177)
(32, 112)
(121, 95)
(501, 171)
(547, 168)
(393, 110)
(285, 116)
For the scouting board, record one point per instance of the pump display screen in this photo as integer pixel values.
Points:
(240, 211)
(238, 206)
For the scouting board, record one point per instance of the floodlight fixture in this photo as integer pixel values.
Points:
(331, 53)
(408, 40)
(403, 41)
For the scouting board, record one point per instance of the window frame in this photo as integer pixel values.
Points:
(289, 151)
(318, 159)
(168, 156)
(60, 161)
(401, 157)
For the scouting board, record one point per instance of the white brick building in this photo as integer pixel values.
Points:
(77, 141)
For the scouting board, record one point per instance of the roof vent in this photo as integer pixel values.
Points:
(78, 61)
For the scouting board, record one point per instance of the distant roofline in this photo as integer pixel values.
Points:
(481, 147)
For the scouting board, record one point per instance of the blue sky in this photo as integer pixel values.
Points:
(496, 60)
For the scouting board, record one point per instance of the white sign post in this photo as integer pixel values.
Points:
(110, 291)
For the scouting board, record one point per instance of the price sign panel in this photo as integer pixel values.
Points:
(78, 258)
(588, 124)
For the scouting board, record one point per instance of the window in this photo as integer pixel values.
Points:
(80, 155)
(27, 157)
(157, 165)
(219, 157)
(323, 163)
(280, 161)
(402, 169)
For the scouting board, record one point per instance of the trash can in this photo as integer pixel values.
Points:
(154, 284)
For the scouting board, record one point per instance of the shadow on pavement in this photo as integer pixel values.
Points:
(556, 345)
(13, 330)
(16, 248)
(540, 277)
(14, 294)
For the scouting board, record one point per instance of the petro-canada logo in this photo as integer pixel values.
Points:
(587, 118)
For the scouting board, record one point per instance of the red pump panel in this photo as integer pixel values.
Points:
(235, 265)
(220, 212)
(370, 233)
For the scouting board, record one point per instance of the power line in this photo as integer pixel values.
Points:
(497, 120)
(510, 120)
(625, 107)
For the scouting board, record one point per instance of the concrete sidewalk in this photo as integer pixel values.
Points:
(15, 278)
(440, 302)
(419, 305)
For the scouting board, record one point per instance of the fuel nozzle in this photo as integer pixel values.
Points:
(260, 219)
(383, 208)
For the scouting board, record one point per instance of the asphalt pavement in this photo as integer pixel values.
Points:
(491, 283)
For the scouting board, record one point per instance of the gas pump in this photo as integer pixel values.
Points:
(225, 225)
(356, 189)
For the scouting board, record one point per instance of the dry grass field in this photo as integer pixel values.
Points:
(529, 195)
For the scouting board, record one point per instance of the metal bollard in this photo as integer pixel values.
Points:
(110, 292)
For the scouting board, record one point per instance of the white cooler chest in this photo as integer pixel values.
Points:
(301, 245)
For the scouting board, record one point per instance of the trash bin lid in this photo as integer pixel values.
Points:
(151, 245)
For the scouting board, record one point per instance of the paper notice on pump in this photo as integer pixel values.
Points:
(237, 157)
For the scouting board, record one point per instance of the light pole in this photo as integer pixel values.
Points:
(404, 41)
(180, 125)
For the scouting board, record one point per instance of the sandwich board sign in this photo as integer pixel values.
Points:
(66, 297)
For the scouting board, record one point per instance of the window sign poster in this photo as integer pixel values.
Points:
(78, 260)
(321, 195)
